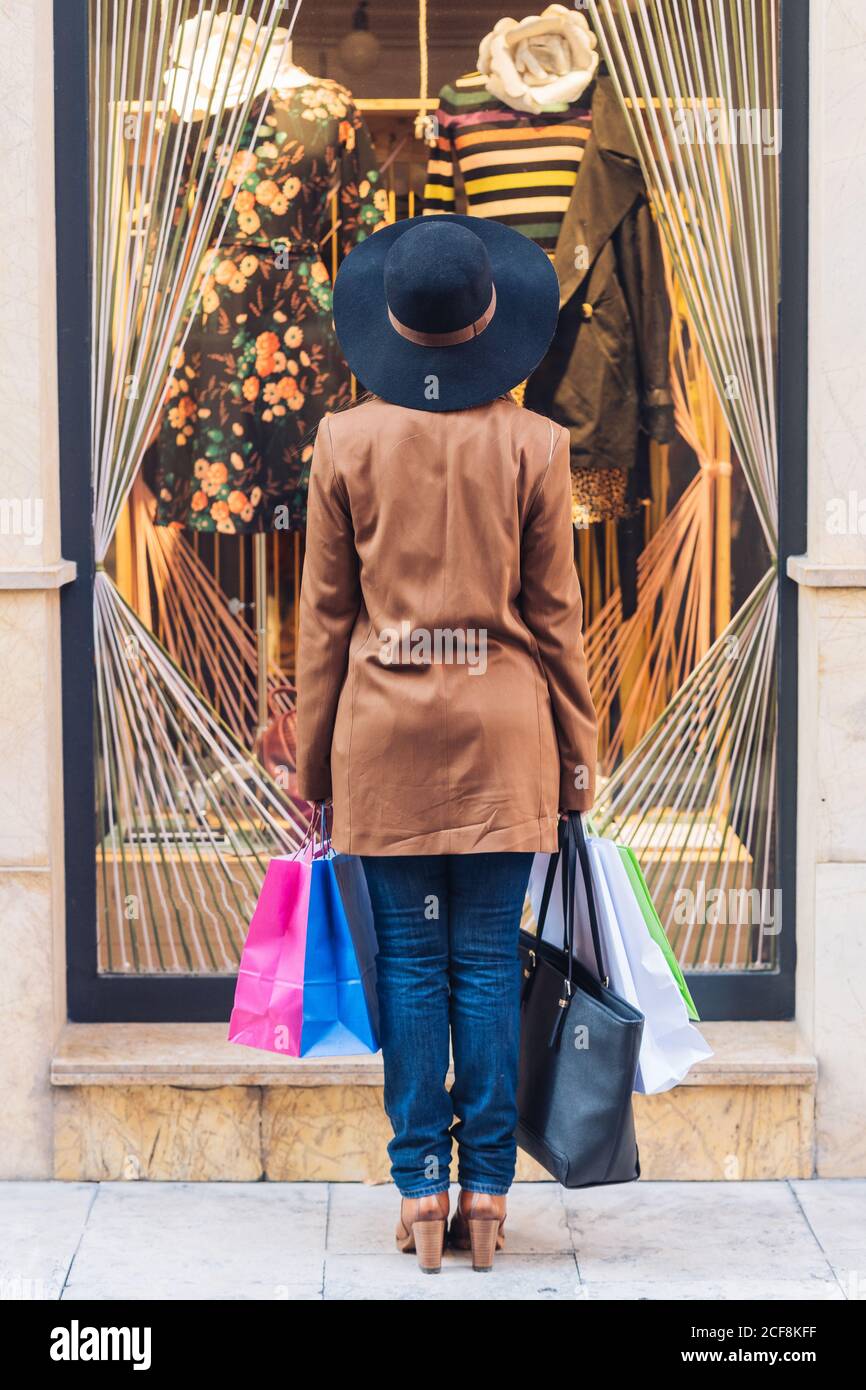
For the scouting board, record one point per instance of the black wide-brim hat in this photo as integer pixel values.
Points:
(445, 312)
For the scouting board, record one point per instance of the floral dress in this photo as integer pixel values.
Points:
(261, 365)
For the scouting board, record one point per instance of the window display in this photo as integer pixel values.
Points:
(236, 162)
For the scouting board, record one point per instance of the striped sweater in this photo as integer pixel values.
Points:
(516, 167)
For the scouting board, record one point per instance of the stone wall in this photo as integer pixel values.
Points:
(831, 907)
(32, 978)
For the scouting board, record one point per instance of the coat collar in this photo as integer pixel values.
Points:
(608, 184)
(609, 124)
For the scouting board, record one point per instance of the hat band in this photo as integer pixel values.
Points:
(460, 335)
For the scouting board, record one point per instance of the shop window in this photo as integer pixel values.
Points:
(231, 168)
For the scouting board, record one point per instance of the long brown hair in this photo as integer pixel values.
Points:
(365, 396)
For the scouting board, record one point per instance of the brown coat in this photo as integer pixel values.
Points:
(458, 522)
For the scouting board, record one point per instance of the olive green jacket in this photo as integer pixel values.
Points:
(606, 374)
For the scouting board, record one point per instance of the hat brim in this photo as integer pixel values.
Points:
(465, 374)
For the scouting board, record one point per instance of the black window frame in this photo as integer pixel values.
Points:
(95, 997)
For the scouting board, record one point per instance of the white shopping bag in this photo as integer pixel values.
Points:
(635, 965)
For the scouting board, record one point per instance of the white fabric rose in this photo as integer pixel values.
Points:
(541, 61)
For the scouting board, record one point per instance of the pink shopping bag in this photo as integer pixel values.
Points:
(269, 995)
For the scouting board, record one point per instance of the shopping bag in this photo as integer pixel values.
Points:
(635, 965)
(307, 979)
(579, 1043)
(357, 909)
(647, 906)
(654, 926)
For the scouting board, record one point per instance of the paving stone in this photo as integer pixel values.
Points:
(835, 1209)
(41, 1224)
(716, 1291)
(677, 1231)
(201, 1241)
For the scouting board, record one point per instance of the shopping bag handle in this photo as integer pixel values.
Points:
(577, 834)
(318, 824)
(572, 848)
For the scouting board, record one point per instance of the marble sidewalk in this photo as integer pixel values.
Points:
(313, 1241)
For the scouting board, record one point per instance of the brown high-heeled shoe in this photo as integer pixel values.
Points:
(477, 1225)
(421, 1229)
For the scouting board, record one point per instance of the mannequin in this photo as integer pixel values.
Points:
(261, 366)
(606, 376)
(518, 127)
(212, 71)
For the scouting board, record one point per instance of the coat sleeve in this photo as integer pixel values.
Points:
(330, 601)
(642, 273)
(553, 611)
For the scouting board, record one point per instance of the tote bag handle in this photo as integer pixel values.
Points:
(572, 847)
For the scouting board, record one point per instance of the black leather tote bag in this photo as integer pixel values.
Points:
(579, 1046)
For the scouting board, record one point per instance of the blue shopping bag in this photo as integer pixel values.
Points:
(340, 1003)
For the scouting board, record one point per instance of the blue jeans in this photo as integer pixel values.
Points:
(447, 928)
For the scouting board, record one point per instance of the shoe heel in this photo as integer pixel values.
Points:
(429, 1238)
(482, 1240)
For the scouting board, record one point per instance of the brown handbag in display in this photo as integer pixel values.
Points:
(276, 745)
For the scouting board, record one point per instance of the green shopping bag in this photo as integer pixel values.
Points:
(654, 926)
